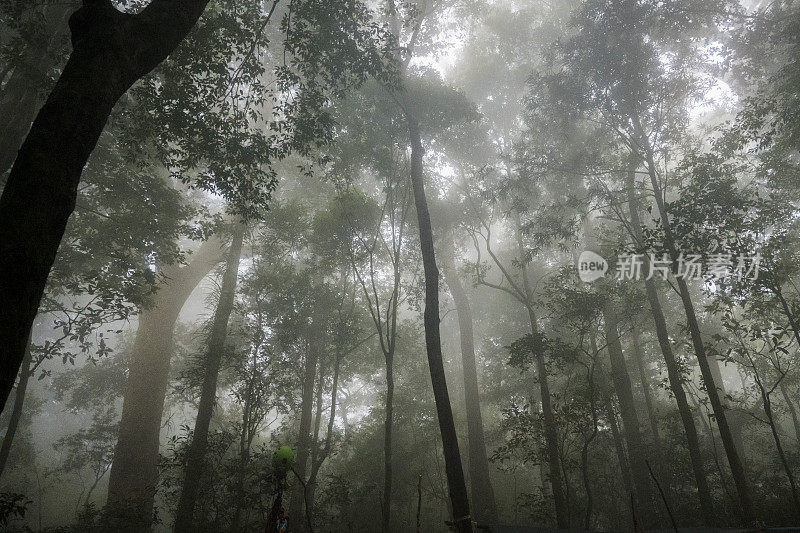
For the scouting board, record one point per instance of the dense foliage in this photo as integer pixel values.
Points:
(243, 270)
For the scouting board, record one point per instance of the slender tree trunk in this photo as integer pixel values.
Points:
(22, 95)
(717, 403)
(548, 416)
(111, 51)
(624, 499)
(134, 473)
(637, 452)
(674, 374)
(550, 436)
(587, 486)
(619, 447)
(433, 343)
(306, 413)
(735, 418)
(792, 410)
(386, 502)
(779, 447)
(195, 460)
(244, 458)
(326, 451)
(480, 483)
(644, 379)
(16, 412)
(317, 453)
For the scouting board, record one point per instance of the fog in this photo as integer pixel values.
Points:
(399, 266)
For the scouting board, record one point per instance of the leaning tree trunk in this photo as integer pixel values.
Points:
(674, 373)
(779, 448)
(637, 452)
(619, 446)
(433, 342)
(550, 436)
(134, 472)
(111, 51)
(16, 411)
(480, 483)
(717, 404)
(195, 460)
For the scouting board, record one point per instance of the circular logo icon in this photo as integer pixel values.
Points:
(591, 266)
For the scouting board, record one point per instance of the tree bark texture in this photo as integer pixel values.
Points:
(111, 51)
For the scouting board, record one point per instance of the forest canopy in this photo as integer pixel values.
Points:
(399, 265)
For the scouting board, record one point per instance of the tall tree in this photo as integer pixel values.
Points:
(637, 452)
(480, 483)
(134, 473)
(111, 50)
(674, 373)
(212, 363)
(522, 290)
(114, 49)
(456, 483)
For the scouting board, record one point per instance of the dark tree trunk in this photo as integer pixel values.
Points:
(316, 452)
(644, 380)
(779, 447)
(548, 416)
(550, 437)
(195, 460)
(587, 485)
(111, 51)
(16, 411)
(433, 343)
(637, 452)
(480, 484)
(792, 410)
(326, 451)
(712, 385)
(386, 500)
(619, 446)
(245, 441)
(134, 473)
(673, 370)
(306, 415)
